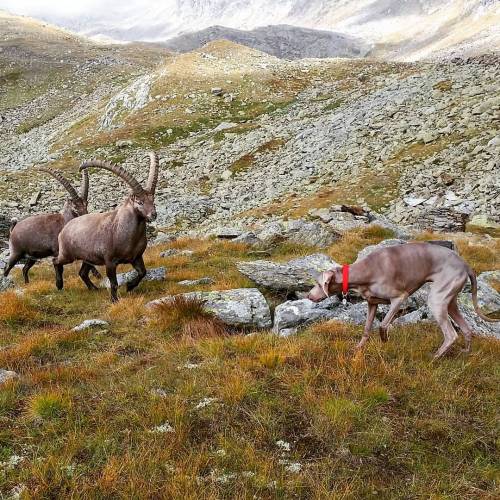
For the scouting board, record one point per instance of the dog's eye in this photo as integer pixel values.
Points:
(140, 203)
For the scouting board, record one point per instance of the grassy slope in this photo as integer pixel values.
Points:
(387, 422)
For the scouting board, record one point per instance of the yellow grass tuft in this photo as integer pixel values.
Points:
(128, 310)
(184, 317)
(48, 405)
(15, 308)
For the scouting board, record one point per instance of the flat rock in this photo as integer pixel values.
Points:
(201, 281)
(155, 274)
(294, 275)
(90, 323)
(243, 307)
(6, 375)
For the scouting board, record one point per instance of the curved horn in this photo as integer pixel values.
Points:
(59, 177)
(84, 187)
(117, 170)
(154, 166)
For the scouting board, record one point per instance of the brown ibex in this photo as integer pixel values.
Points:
(112, 238)
(36, 237)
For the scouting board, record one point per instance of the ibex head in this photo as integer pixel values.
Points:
(142, 199)
(76, 203)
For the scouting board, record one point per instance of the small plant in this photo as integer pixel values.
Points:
(48, 406)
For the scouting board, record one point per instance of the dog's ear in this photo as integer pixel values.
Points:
(325, 280)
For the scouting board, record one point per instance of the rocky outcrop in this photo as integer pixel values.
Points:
(243, 308)
(445, 220)
(294, 275)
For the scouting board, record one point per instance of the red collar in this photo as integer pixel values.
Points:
(345, 278)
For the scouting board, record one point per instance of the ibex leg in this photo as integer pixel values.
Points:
(84, 274)
(29, 264)
(140, 268)
(13, 260)
(111, 274)
(59, 269)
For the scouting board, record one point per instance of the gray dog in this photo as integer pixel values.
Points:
(390, 275)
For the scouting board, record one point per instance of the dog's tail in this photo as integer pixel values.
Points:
(473, 282)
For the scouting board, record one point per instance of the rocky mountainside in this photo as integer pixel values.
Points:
(283, 41)
(409, 29)
(247, 139)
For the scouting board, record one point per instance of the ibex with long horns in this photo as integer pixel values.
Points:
(112, 238)
(36, 237)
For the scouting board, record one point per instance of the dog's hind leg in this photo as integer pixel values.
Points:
(438, 303)
(457, 317)
(372, 310)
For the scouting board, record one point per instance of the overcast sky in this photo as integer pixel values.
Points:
(57, 8)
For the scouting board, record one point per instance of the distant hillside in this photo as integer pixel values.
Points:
(403, 30)
(283, 41)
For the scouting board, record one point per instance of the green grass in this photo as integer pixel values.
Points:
(387, 422)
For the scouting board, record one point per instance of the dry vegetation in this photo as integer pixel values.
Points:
(173, 406)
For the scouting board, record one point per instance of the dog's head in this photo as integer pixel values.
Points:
(329, 282)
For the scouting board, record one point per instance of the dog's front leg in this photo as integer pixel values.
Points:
(372, 310)
(393, 309)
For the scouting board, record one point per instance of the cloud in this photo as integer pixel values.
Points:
(59, 9)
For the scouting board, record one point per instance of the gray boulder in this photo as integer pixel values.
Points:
(243, 307)
(487, 297)
(371, 248)
(291, 315)
(155, 274)
(295, 275)
(412, 317)
(478, 326)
